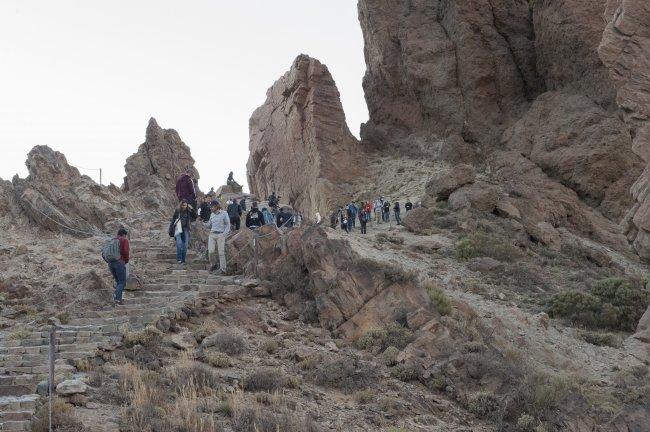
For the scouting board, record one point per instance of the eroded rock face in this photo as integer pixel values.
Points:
(300, 145)
(152, 172)
(446, 67)
(625, 49)
(57, 197)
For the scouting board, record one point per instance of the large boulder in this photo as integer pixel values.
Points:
(300, 144)
(151, 172)
(625, 50)
(643, 328)
(446, 181)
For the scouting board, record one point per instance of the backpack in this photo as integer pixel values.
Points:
(111, 250)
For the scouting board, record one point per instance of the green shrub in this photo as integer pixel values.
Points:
(267, 380)
(601, 339)
(526, 423)
(217, 359)
(482, 244)
(270, 346)
(344, 374)
(485, 405)
(612, 303)
(377, 341)
(440, 300)
(406, 372)
(390, 356)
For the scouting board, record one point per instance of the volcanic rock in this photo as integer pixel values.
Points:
(300, 144)
(57, 197)
(625, 50)
(443, 183)
(151, 173)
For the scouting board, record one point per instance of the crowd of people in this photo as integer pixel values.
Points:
(223, 218)
(379, 210)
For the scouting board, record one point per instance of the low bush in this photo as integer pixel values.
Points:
(377, 341)
(270, 346)
(225, 342)
(148, 337)
(482, 244)
(612, 303)
(63, 418)
(601, 339)
(267, 380)
(217, 359)
(365, 396)
(439, 298)
(255, 419)
(195, 375)
(390, 356)
(406, 372)
(485, 405)
(344, 374)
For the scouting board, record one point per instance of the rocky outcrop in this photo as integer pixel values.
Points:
(625, 49)
(151, 173)
(300, 144)
(57, 197)
(578, 143)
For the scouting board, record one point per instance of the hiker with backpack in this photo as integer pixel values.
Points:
(254, 218)
(116, 254)
(219, 226)
(234, 212)
(408, 206)
(284, 218)
(179, 228)
(273, 202)
(397, 211)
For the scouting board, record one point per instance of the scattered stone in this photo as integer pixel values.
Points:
(183, 341)
(69, 387)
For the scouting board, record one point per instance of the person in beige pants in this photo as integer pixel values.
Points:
(219, 225)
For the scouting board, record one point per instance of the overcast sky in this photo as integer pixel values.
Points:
(85, 76)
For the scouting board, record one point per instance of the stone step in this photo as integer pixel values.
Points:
(18, 403)
(26, 380)
(36, 345)
(116, 321)
(16, 363)
(16, 416)
(14, 390)
(15, 426)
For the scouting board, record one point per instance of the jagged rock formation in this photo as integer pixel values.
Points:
(300, 145)
(625, 49)
(57, 197)
(151, 173)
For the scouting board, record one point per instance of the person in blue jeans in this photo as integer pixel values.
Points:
(183, 216)
(118, 268)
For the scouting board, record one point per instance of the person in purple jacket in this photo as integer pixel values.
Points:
(185, 189)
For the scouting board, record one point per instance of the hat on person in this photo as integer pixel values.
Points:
(214, 203)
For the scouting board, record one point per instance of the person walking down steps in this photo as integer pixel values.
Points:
(254, 218)
(234, 212)
(219, 226)
(179, 228)
(116, 253)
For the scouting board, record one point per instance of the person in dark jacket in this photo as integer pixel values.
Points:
(234, 212)
(183, 215)
(204, 209)
(364, 217)
(408, 206)
(254, 218)
(185, 189)
(242, 204)
(386, 211)
(284, 218)
(273, 202)
(118, 268)
(397, 211)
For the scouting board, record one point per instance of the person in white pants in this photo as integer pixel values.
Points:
(219, 225)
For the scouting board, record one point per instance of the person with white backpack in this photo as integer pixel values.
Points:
(116, 253)
(179, 228)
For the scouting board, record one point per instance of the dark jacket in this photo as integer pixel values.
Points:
(234, 211)
(396, 208)
(186, 217)
(386, 206)
(205, 211)
(254, 219)
(185, 188)
(408, 206)
(284, 219)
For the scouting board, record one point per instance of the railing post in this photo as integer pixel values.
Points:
(51, 372)
(255, 237)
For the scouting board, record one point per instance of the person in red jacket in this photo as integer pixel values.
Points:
(118, 268)
(185, 189)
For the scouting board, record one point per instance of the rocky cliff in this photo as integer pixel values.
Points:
(152, 171)
(625, 49)
(520, 87)
(300, 145)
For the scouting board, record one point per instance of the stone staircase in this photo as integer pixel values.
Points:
(166, 289)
